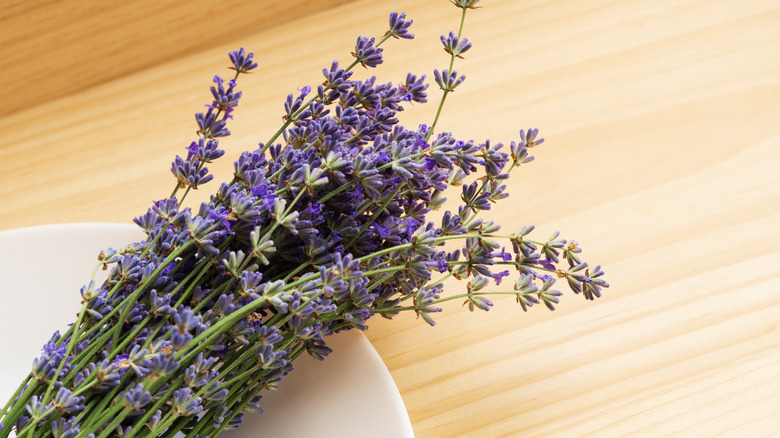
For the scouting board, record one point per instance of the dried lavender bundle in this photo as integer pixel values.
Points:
(315, 234)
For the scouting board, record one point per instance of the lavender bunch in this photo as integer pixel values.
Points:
(322, 227)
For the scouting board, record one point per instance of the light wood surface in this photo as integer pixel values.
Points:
(52, 48)
(662, 159)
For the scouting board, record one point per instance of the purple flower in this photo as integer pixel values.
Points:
(167, 209)
(189, 173)
(399, 26)
(37, 409)
(64, 402)
(336, 81)
(364, 94)
(414, 88)
(529, 140)
(209, 126)
(136, 398)
(498, 276)
(204, 150)
(185, 403)
(366, 54)
(224, 99)
(267, 358)
(63, 428)
(160, 365)
(242, 61)
(448, 81)
(455, 46)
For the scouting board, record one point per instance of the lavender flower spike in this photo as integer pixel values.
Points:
(529, 139)
(414, 88)
(455, 46)
(188, 173)
(399, 26)
(365, 52)
(242, 61)
(136, 398)
(448, 81)
(64, 402)
(224, 99)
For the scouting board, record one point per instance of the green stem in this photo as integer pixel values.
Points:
(110, 428)
(292, 273)
(446, 92)
(178, 424)
(441, 280)
(128, 302)
(374, 216)
(383, 270)
(48, 395)
(16, 394)
(377, 283)
(154, 240)
(441, 300)
(103, 415)
(18, 408)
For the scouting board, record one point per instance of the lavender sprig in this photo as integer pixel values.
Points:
(448, 79)
(190, 172)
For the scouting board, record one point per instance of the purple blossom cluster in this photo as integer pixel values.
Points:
(315, 234)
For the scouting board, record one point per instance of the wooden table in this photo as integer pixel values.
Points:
(662, 159)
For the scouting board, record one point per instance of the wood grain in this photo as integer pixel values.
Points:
(663, 130)
(52, 48)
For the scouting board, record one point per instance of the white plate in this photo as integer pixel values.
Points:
(350, 394)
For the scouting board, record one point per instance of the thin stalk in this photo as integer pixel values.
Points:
(48, 395)
(446, 92)
(16, 394)
(441, 300)
(374, 216)
(127, 303)
(177, 425)
(108, 430)
(18, 408)
(300, 268)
